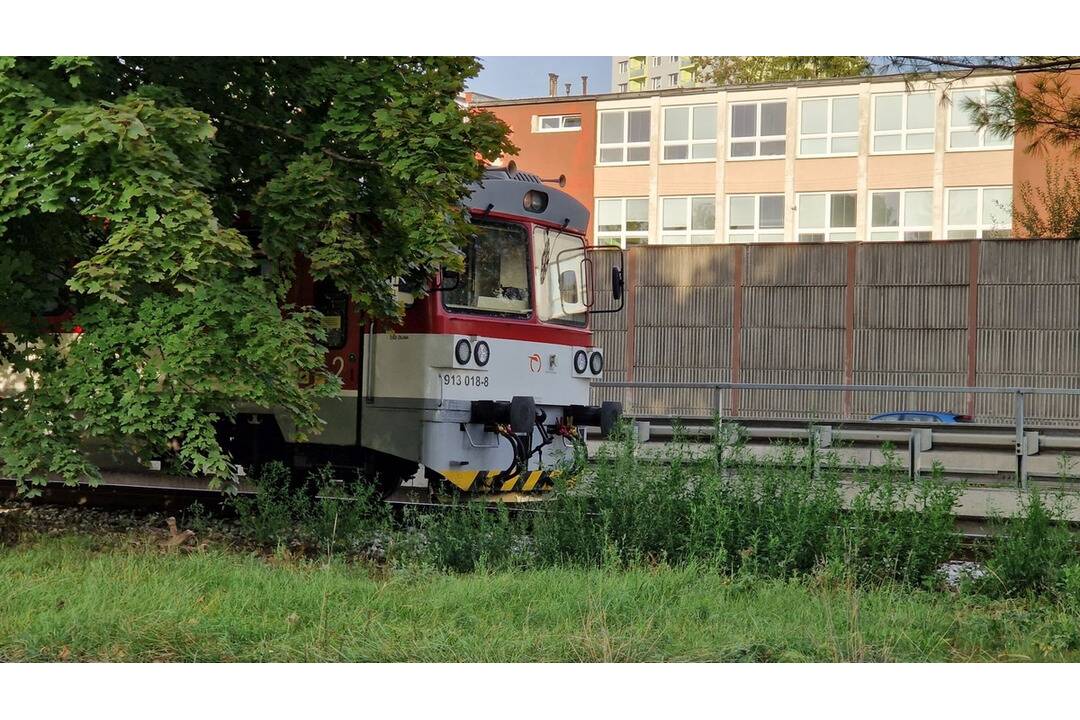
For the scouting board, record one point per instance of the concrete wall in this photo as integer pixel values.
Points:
(964, 313)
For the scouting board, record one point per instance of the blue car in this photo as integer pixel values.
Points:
(920, 416)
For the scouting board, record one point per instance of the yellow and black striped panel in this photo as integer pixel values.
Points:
(482, 480)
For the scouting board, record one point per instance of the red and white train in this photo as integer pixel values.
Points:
(485, 383)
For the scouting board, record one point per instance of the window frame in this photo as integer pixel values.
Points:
(828, 135)
(538, 123)
(622, 235)
(978, 227)
(657, 82)
(904, 130)
(689, 233)
(673, 78)
(950, 128)
(624, 144)
(623, 87)
(624, 66)
(828, 230)
(900, 228)
(689, 142)
(758, 138)
(531, 296)
(753, 235)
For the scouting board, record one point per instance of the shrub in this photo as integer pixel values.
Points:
(333, 516)
(898, 528)
(1031, 551)
(470, 535)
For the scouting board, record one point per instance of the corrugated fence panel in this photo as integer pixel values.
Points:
(683, 324)
(939, 263)
(1029, 327)
(793, 327)
(910, 314)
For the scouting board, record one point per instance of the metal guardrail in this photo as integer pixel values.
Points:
(917, 439)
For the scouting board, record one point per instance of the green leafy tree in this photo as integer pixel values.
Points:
(748, 69)
(167, 201)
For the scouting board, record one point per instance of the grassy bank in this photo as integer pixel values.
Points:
(64, 598)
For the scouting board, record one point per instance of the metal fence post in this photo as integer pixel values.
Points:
(1021, 449)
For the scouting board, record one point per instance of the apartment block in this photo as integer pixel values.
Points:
(853, 159)
(636, 73)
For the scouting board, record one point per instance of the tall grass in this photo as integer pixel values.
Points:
(780, 516)
(788, 513)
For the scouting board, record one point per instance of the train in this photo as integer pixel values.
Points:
(485, 381)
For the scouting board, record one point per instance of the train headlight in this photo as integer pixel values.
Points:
(535, 201)
(481, 353)
(462, 351)
(581, 362)
(596, 363)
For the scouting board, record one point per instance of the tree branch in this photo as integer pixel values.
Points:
(295, 138)
(1063, 63)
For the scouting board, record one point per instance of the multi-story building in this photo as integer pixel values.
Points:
(633, 73)
(866, 158)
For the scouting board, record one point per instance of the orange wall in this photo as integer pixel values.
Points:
(550, 155)
(1030, 167)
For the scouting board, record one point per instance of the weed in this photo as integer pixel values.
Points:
(1034, 551)
(335, 518)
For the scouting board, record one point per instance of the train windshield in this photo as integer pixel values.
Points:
(561, 276)
(496, 277)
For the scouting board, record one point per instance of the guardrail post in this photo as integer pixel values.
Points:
(820, 438)
(919, 440)
(1021, 445)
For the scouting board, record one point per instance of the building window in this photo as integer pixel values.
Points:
(688, 220)
(673, 79)
(656, 81)
(657, 61)
(829, 126)
(624, 137)
(978, 212)
(623, 65)
(690, 133)
(622, 87)
(903, 123)
(758, 129)
(826, 216)
(755, 218)
(963, 134)
(622, 221)
(557, 123)
(901, 215)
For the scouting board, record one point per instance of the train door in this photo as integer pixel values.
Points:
(342, 334)
(342, 413)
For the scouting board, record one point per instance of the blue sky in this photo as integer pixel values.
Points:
(519, 77)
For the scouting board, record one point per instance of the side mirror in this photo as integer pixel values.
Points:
(616, 283)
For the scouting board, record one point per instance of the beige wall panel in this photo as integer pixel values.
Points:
(686, 179)
(821, 174)
(754, 176)
(622, 181)
(989, 167)
(900, 171)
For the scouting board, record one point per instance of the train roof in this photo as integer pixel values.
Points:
(506, 190)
